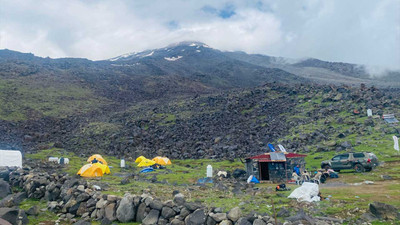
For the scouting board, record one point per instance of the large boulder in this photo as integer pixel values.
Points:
(384, 211)
(141, 212)
(196, 218)
(13, 215)
(13, 200)
(151, 218)
(4, 188)
(234, 214)
(218, 217)
(126, 210)
(167, 212)
(110, 212)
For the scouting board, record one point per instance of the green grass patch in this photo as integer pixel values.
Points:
(44, 216)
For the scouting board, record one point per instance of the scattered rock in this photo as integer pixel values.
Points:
(234, 214)
(125, 211)
(198, 217)
(384, 211)
(4, 189)
(151, 218)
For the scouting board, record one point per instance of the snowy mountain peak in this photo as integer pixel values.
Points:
(188, 43)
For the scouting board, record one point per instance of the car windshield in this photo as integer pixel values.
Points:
(358, 155)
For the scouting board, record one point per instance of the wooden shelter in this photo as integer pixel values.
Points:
(274, 166)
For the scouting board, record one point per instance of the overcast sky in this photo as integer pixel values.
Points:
(356, 31)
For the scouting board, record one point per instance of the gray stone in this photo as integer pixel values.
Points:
(82, 197)
(218, 216)
(33, 211)
(105, 221)
(91, 202)
(13, 200)
(141, 212)
(179, 199)
(167, 212)
(82, 209)
(52, 206)
(198, 217)
(151, 218)
(184, 212)
(368, 217)
(110, 212)
(242, 221)
(82, 222)
(226, 222)
(384, 211)
(179, 222)
(126, 211)
(13, 215)
(234, 214)
(81, 188)
(210, 221)
(259, 222)
(192, 206)
(156, 205)
(101, 203)
(112, 198)
(4, 188)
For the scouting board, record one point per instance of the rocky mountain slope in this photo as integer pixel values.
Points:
(184, 101)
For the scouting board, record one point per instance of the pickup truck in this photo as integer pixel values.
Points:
(359, 161)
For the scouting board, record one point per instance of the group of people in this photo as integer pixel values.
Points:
(319, 177)
(300, 176)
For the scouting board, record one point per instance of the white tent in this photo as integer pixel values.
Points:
(10, 158)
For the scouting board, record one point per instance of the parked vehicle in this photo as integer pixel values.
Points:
(359, 161)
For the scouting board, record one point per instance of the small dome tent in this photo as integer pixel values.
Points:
(139, 159)
(162, 160)
(93, 170)
(97, 158)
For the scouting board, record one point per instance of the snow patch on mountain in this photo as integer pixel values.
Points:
(123, 56)
(173, 58)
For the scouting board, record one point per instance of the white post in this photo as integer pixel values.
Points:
(209, 171)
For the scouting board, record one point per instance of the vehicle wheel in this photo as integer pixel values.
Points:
(326, 167)
(359, 168)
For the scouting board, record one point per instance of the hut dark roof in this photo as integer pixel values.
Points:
(266, 157)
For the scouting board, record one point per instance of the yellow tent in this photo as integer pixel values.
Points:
(139, 159)
(146, 162)
(98, 157)
(92, 170)
(104, 168)
(162, 160)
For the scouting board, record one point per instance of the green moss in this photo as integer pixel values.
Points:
(44, 216)
(20, 99)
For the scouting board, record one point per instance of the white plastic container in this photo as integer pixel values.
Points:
(209, 171)
(122, 163)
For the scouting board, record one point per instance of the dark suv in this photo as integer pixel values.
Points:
(359, 161)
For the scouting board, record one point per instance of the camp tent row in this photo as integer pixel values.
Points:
(97, 167)
(144, 162)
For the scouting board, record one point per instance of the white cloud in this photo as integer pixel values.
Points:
(362, 31)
